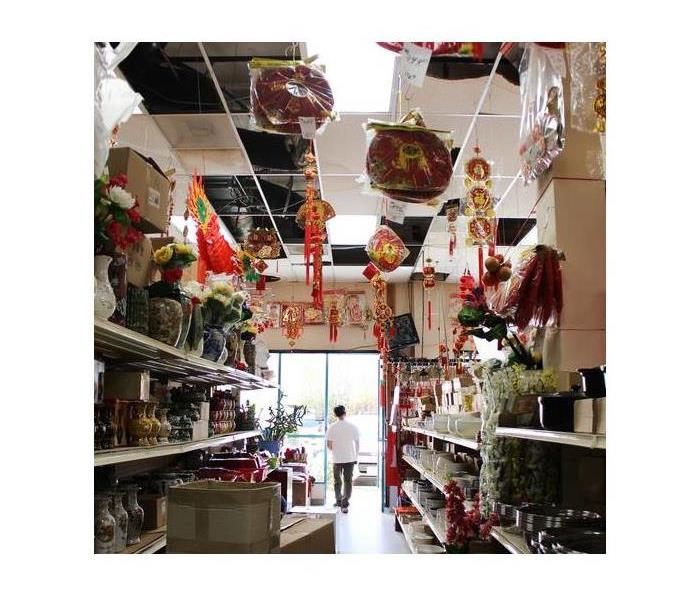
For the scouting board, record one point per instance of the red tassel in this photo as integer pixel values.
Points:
(260, 284)
(430, 314)
(481, 264)
(453, 243)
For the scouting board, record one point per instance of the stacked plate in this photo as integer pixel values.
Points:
(569, 540)
(535, 517)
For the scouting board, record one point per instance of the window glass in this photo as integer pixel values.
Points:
(303, 379)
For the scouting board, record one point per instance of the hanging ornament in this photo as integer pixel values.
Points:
(386, 250)
(466, 285)
(312, 217)
(292, 323)
(381, 311)
(428, 285)
(262, 242)
(333, 320)
(215, 253)
(452, 213)
(599, 103)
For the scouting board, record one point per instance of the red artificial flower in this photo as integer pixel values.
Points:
(118, 180)
(133, 214)
(196, 300)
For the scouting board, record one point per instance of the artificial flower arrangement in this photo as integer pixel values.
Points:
(464, 526)
(171, 259)
(222, 305)
(116, 213)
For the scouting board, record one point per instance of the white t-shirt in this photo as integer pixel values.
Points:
(343, 434)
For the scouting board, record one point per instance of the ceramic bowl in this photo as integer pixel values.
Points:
(429, 549)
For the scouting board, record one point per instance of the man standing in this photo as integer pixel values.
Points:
(343, 440)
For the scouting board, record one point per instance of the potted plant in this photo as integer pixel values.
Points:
(281, 422)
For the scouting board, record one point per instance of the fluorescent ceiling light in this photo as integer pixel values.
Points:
(351, 229)
(360, 75)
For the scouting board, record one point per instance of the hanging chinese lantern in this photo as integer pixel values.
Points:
(382, 312)
(292, 323)
(386, 250)
(428, 285)
(312, 217)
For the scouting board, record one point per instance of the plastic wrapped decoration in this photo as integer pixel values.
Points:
(467, 49)
(386, 250)
(587, 69)
(282, 91)
(535, 296)
(407, 161)
(542, 100)
(292, 323)
(215, 253)
(381, 311)
(262, 242)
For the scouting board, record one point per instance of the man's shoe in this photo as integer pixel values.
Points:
(344, 509)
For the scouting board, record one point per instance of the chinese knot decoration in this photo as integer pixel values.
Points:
(382, 312)
(215, 253)
(478, 203)
(292, 323)
(312, 217)
(428, 285)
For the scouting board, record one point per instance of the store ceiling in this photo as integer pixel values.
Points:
(181, 100)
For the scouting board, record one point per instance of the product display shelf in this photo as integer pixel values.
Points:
(437, 530)
(120, 455)
(140, 351)
(513, 542)
(585, 440)
(429, 475)
(452, 439)
(409, 541)
(151, 542)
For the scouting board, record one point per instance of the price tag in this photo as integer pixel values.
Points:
(308, 127)
(396, 211)
(414, 63)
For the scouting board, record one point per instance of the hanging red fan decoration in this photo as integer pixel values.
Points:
(215, 253)
(312, 217)
(469, 49)
(535, 297)
(386, 250)
(382, 312)
(283, 91)
(407, 161)
(292, 323)
(428, 285)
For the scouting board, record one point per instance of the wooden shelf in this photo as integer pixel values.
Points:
(513, 542)
(142, 352)
(452, 439)
(151, 542)
(120, 455)
(585, 440)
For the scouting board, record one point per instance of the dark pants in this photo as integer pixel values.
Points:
(342, 477)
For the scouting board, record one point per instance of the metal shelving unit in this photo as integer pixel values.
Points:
(513, 542)
(135, 350)
(120, 455)
(436, 529)
(151, 542)
(429, 475)
(452, 439)
(585, 440)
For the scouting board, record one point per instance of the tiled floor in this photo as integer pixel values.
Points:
(365, 529)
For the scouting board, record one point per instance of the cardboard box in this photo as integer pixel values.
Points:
(155, 510)
(300, 497)
(311, 534)
(138, 263)
(147, 183)
(584, 416)
(223, 517)
(200, 430)
(599, 406)
(127, 385)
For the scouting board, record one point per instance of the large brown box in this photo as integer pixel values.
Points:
(147, 183)
(314, 534)
(299, 493)
(155, 511)
(127, 385)
(224, 517)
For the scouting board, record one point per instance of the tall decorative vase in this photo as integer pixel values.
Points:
(214, 342)
(121, 519)
(155, 424)
(165, 426)
(139, 425)
(117, 279)
(104, 526)
(135, 513)
(186, 303)
(195, 335)
(105, 300)
(165, 320)
(272, 446)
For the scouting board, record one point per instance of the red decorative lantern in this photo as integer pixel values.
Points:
(407, 161)
(283, 91)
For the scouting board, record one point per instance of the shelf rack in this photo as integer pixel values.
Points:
(436, 529)
(513, 542)
(120, 455)
(438, 482)
(140, 351)
(409, 541)
(151, 542)
(585, 440)
(452, 439)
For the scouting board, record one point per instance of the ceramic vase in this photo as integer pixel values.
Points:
(165, 320)
(139, 425)
(135, 512)
(137, 309)
(121, 520)
(249, 355)
(155, 424)
(165, 426)
(117, 279)
(214, 342)
(105, 300)
(104, 526)
(195, 335)
(186, 303)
